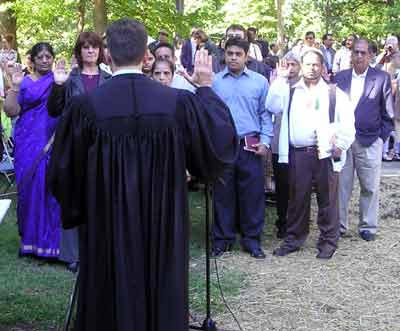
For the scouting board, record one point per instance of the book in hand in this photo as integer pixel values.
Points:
(249, 142)
(326, 138)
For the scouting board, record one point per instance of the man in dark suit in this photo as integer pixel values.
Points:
(188, 52)
(236, 30)
(327, 51)
(118, 167)
(372, 102)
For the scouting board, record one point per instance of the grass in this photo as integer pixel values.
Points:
(34, 293)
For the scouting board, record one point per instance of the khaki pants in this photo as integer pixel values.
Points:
(366, 162)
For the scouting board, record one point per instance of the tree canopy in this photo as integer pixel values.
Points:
(59, 21)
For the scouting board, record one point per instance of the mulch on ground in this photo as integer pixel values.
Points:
(358, 289)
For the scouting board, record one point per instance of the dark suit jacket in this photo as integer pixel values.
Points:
(373, 114)
(186, 56)
(325, 53)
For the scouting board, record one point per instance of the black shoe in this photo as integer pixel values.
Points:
(218, 251)
(73, 267)
(257, 253)
(326, 253)
(284, 250)
(367, 236)
(281, 233)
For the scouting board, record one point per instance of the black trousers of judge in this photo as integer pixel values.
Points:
(306, 171)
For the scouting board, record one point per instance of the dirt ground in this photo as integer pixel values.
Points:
(358, 289)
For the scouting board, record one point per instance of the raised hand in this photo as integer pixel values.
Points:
(60, 72)
(203, 74)
(282, 69)
(17, 75)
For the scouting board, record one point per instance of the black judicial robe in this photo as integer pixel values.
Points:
(118, 169)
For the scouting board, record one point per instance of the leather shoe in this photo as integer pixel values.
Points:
(284, 250)
(73, 267)
(257, 253)
(281, 233)
(218, 251)
(367, 236)
(326, 254)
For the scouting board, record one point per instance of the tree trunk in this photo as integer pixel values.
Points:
(100, 16)
(280, 23)
(81, 15)
(179, 6)
(8, 22)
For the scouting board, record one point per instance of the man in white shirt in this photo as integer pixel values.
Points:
(342, 60)
(317, 129)
(254, 50)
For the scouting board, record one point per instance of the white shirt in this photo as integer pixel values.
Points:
(309, 108)
(342, 60)
(357, 88)
(343, 125)
(127, 71)
(194, 49)
(181, 83)
(255, 52)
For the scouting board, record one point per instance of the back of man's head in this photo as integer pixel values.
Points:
(126, 42)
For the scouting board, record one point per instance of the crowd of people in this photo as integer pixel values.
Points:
(104, 146)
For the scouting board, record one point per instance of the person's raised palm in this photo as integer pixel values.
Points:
(60, 73)
(203, 74)
(17, 75)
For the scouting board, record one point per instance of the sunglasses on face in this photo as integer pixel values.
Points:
(356, 52)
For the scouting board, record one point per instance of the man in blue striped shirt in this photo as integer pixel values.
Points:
(239, 194)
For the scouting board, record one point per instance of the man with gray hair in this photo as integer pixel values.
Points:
(371, 98)
(276, 103)
(317, 128)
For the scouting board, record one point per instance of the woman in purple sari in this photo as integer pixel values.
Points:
(37, 211)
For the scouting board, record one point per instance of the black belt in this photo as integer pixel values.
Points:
(307, 149)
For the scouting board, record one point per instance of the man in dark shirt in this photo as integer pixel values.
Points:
(236, 30)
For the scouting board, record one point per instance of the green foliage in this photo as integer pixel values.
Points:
(51, 20)
(372, 19)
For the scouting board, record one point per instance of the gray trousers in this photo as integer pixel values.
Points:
(366, 162)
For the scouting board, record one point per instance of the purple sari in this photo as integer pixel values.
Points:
(38, 212)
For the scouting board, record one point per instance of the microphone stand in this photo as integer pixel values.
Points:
(208, 323)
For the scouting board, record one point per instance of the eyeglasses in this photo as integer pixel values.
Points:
(356, 52)
(309, 38)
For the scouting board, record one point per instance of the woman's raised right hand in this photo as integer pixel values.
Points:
(60, 72)
(17, 75)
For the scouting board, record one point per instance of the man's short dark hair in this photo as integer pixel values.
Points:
(239, 42)
(326, 35)
(252, 29)
(310, 33)
(272, 45)
(236, 27)
(127, 41)
(167, 45)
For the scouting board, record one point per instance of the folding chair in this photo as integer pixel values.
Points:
(7, 165)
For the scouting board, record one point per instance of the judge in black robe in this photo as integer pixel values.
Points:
(118, 170)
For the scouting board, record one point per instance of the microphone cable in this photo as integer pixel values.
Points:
(223, 296)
